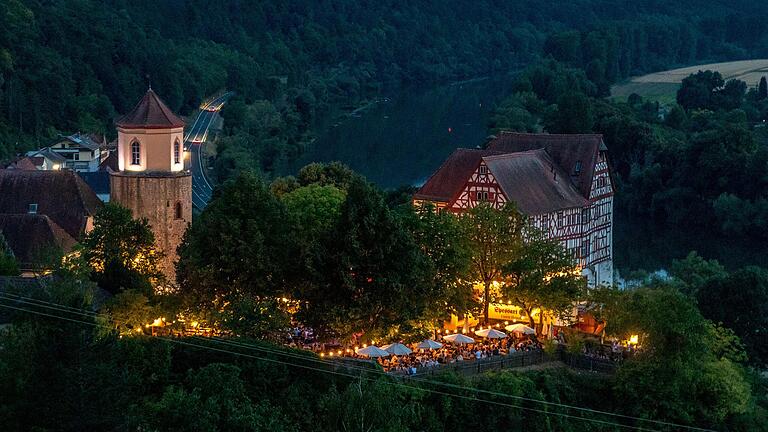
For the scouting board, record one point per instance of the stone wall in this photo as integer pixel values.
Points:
(154, 196)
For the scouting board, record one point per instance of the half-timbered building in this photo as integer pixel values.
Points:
(562, 182)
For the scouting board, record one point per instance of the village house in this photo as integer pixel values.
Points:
(562, 182)
(43, 213)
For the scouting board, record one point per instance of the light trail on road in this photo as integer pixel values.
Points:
(202, 190)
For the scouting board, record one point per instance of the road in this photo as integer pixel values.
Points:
(196, 137)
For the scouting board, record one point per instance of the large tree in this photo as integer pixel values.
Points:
(234, 260)
(686, 369)
(545, 277)
(740, 302)
(495, 239)
(120, 251)
(369, 275)
(440, 238)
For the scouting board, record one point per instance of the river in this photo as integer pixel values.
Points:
(404, 138)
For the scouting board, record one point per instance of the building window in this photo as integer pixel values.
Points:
(577, 168)
(177, 211)
(585, 215)
(76, 156)
(176, 152)
(560, 217)
(483, 169)
(585, 249)
(482, 196)
(32, 209)
(135, 153)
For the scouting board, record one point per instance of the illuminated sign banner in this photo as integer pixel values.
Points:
(504, 312)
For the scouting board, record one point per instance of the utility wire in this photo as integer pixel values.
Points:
(368, 370)
(471, 398)
(91, 314)
(456, 386)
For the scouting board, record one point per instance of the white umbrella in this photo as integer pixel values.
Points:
(459, 338)
(397, 349)
(372, 351)
(520, 328)
(491, 334)
(430, 344)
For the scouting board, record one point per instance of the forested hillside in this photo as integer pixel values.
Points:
(68, 65)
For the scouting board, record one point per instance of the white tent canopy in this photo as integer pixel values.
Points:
(459, 338)
(520, 328)
(491, 333)
(372, 351)
(397, 349)
(430, 344)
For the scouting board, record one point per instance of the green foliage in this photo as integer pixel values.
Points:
(543, 276)
(440, 238)
(128, 312)
(369, 274)
(213, 398)
(120, 251)
(694, 271)
(316, 208)
(495, 239)
(740, 302)
(8, 264)
(371, 405)
(235, 256)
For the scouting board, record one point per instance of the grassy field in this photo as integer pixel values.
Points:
(662, 86)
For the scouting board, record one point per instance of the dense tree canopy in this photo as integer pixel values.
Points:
(120, 252)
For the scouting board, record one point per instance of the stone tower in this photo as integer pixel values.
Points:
(151, 180)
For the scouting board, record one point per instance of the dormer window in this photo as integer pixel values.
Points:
(577, 168)
(32, 209)
(135, 153)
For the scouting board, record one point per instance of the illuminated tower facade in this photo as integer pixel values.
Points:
(151, 180)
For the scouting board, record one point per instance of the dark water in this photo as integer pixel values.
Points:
(403, 140)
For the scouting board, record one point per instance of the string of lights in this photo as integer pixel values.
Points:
(334, 372)
(91, 314)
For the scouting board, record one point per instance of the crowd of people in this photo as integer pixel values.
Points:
(305, 338)
(456, 353)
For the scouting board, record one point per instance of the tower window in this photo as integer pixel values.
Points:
(32, 209)
(177, 211)
(135, 153)
(176, 152)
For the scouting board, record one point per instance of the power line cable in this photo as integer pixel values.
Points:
(456, 386)
(400, 384)
(305, 358)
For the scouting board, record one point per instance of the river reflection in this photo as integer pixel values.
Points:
(403, 140)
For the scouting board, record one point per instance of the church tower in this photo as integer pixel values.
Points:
(151, 181)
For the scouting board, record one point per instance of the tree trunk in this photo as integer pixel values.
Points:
(531, 321)
(486, 301)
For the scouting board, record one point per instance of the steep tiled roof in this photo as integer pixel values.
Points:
(150, 113)
(534, 182)
(110, 163)
(448, 180)
(81, 140)
(565, 150)
(31, 236)
(26, 163)
(61, 195)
